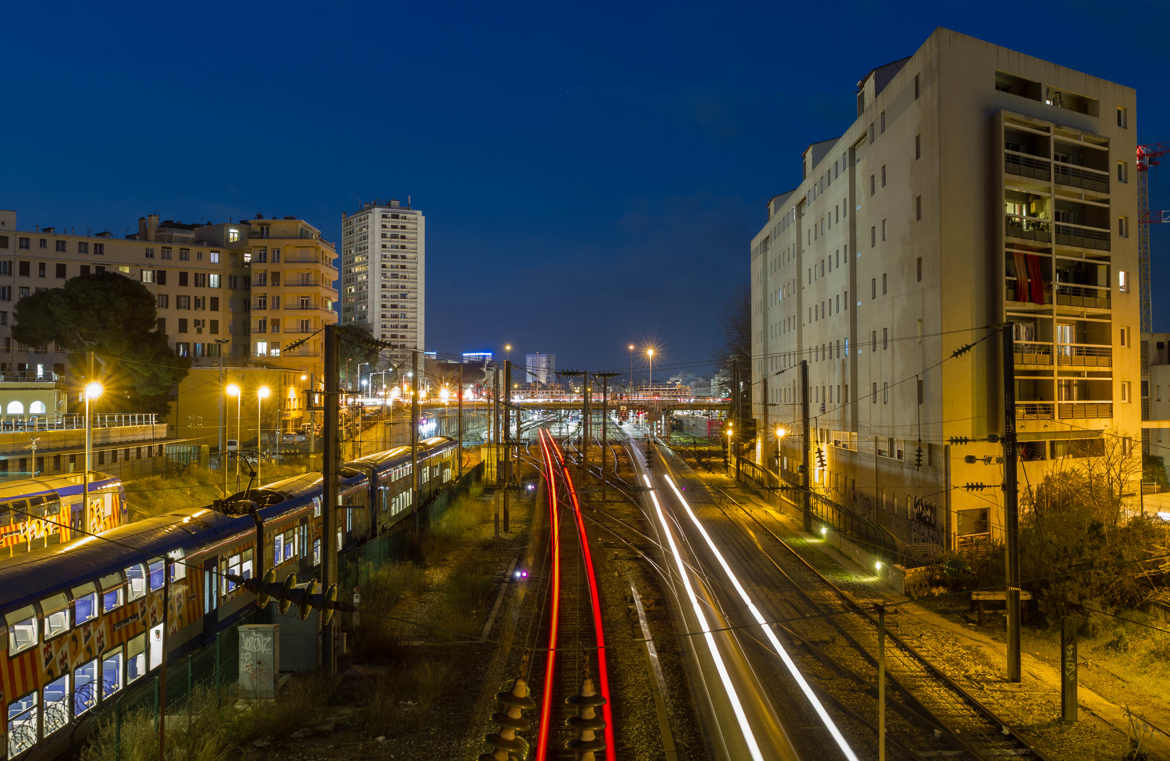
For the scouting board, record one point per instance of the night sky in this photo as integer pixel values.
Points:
(592, 175)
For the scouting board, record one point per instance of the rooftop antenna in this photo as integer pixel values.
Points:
(409, 204)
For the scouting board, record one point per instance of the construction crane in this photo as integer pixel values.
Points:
(1147, 156)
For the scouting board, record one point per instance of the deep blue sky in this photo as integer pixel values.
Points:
(591, 174)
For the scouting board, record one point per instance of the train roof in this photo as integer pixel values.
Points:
(27, 580)
(25, 486)
(378, 458)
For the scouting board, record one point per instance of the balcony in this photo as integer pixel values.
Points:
(1033, 354)
(1085, 410)
(303, 283)
(1084, 355)
(1035, 410)
(1068, 234)
(1082, 296)
(1026, 166)
(1028, 228)
(1081, 177)
(1010, 294)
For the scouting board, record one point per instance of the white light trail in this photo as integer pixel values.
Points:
(732, 695)
(788, 662)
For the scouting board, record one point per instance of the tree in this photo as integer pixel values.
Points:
(735, 357)
(115, 318)
(358, 346)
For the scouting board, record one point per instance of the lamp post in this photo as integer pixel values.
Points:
(234, 390)
(93, 390)
(630, 348)
(727, 452)
(261, 394)
(781, 432)
(650, 355)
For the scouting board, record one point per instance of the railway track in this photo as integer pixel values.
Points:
(574, 650)
(929, 715)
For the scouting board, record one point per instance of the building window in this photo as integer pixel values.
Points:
(1122, 117)
(873, 287)
(165, 253)
(213, 257)
(917, 147)
(918, 270)
(915, 87)
(1122, 171)
(918, 208)
(872, 184)
(883, 284)
(883, 122)
(261, 348)
(883, 231)
(149, 253)
(147, 276)
(99, 249)
(883, 175)
(82, 247)
(873, 394)
(1125, 391)
(1123, 227)
(885, 338)
(872, 236)
(23, 269)
(41, 269)
(23, 243)
(1123, 281)
(60, 271)
(1125, 336)
(885, 393)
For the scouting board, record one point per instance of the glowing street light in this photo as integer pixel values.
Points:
(631, 348)
(233, 390)
(650, 355)
(444, 395)
(262, 393)
(781, 432)
(93, 390)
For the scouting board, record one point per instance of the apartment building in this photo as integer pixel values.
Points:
(383, 274)
(205, 279)
(540, 368)
(977, 186)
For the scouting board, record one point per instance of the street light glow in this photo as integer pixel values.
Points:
(93, 390)
(263, 392)
(780, 432)
(650, 352)
(232, 390)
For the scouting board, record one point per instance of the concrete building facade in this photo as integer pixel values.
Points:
(383, 275)
(977, 186)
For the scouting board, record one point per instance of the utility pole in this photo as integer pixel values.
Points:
(222, 413)
(329, 496)
(507, 437)
(495, 415)
(1011, 505)
(806, 433)
(459, 424)
(414, 440)
(881, 701)
(586, 413)
(604, 430)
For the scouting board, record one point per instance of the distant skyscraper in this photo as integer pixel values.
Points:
(541, 367)
(383, 274)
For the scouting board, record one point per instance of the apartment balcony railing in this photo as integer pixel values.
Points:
(1086, 296)
(1010, 292)
(1069, 234)
(1026, 166)
(1085, 410)
(1029, 228)
(1081, 177)
(1035, 410)
(1084, 355)
(1033, 354)
(303, 283)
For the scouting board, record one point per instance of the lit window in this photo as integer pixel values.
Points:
(22, 629)
(157, 579)
(111, 673)
(112, 592)
(135, 658)
(1123, 281)
(84, 603)
(56, 612)
(22, 724)
(56, 704)
(85, 686)
(233, 235)
(261, 348)
(135, 582)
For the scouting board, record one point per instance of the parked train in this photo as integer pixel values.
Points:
(37, 512)
(84, 622)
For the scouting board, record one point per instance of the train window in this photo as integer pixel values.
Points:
(112, 592)
(156, 646)
(290, 544)
(84, 603)
(85, 687)
(5, 515)
(111, 672)
(316, 507)
(233, 569)
(316, 552)
(277, 549)
(19, 509)
(22, 629)
(246, 563)
(56, 699)
(22, 724)
(135, 658)
(303, 539)
(135, 582)
(156, 573)
(36, 507)
(56, 613)
(178, 567)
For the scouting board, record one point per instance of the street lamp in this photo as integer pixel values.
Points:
(360, 384)
(262, 393)
(650, 354)
(631, 350)
(444, 395)
(727, 451)
(93, 390)
(234, 390)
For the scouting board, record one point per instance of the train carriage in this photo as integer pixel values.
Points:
(38, 512)
(82, 622)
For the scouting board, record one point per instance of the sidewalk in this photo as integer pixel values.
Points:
(975, 659)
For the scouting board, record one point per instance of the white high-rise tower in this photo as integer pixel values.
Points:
(383, 274)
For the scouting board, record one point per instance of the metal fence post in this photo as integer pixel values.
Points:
(118, 732)
(218, 696)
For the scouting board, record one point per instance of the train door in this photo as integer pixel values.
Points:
(210, 595)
